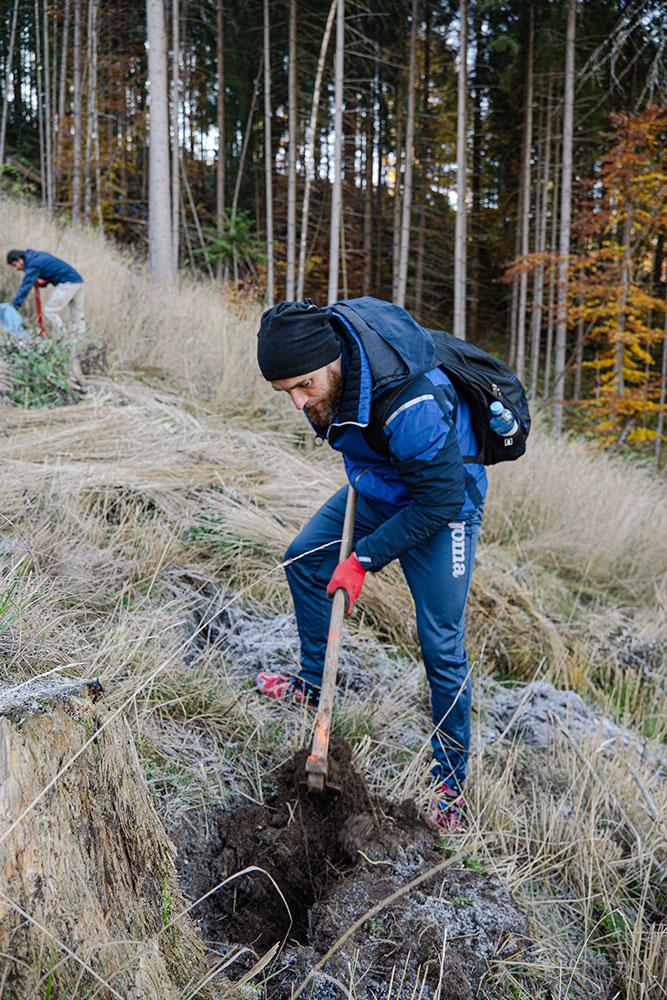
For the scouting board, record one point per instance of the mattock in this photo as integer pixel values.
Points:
(317, 764)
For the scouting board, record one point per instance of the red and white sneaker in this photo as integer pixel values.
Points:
(446, 809)
(283, 687)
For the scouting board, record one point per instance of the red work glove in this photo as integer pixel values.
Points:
(348, 576)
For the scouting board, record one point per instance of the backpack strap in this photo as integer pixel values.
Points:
(374, 431)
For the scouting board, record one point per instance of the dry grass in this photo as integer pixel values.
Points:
(185, 330)
(129, 506)
(138, 507)
(600, 522)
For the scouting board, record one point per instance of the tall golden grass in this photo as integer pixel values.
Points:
(187, 330)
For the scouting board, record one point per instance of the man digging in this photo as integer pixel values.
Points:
(67, 296)
(366, 376)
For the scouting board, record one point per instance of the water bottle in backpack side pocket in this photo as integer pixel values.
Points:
(502, 420)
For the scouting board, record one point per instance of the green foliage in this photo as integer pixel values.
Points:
(48, 991)
(166, 903)
(475, 866)
(237, 242)
(12, 602)
(39, 370)
(615, 924)
(7, 595)
(211, 531)
(14, 181)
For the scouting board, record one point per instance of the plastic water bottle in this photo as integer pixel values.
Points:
(502, 420)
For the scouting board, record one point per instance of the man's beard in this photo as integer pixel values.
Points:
(322, 412)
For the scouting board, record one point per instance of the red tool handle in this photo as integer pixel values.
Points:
(38, 309)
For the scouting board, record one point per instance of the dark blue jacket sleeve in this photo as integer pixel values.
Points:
(424, 450)
(30, 276)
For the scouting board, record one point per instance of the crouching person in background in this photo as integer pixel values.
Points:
(64, 310)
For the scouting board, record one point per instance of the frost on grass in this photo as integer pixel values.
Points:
(529, 796)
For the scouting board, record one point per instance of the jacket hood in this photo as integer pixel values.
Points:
(383, 346)
(376, 320)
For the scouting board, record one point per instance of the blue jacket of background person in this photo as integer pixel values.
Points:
(40, 264)
(423, 482)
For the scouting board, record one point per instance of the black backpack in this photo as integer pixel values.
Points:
(480, 379)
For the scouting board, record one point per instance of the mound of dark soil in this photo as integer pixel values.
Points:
(325, 861)
(306, 842)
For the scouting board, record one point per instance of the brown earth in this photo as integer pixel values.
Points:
(334, 856)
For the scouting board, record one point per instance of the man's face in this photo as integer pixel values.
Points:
(18, 265)
(318, 393)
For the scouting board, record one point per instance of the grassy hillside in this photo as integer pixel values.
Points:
(142, 526)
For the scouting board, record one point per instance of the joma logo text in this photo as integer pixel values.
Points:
(458, 547)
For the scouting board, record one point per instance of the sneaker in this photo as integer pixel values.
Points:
(283, 687)
(446, 809)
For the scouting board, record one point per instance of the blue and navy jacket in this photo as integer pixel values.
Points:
(40, 264)
(422, 481)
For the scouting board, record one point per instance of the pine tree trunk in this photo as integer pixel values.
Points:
(419, 266)
(460, 236)
(578, 354)
(96, 122)
(396, 244)
(541, 245)
(90, 104)
(368, 194)
(424, 156)
(78, 116)
(220, 166)
(514, 308)
(8, 81)
(160, 249)
(62, 94)
(268, 159)
(551, 303)
(382, 176)
(48, 126)
(525, 210)
(622, 305)
(195, 217)
(662, 399)
(476, 180)
(246, 138)
(291, 178)
(40, 102)
(565, 216)
(406, 210)
(310, 150)
(175, 144)
(336, 193)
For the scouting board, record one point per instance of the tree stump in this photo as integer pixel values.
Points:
(89, 867)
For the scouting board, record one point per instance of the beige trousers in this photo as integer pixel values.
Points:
(68, 294)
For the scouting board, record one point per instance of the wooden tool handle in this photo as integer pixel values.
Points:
(317, 765)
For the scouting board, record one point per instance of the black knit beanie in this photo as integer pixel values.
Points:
(295, 338)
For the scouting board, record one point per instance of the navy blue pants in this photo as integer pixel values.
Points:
(438, 574)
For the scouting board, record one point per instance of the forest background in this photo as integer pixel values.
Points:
(497, 167)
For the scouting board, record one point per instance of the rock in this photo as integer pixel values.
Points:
(444, 931)
(539, 714)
